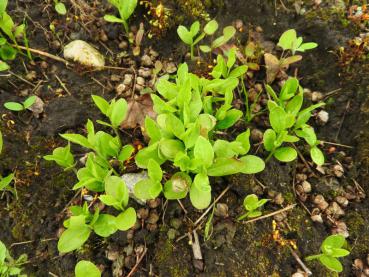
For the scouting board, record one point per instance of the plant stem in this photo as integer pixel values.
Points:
(269, 156)
(191, 52)
(313, 257)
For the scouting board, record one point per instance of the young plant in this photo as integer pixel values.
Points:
(224, 68)
(60, 7)
(9, 33)
(252, 205)
(98, 175)
(17, 107)
(331, 249)
(5, 181)
(228, 33)
(125, 9)
(289, 123)
(183, 134)
(86, 269)
(290, 41)
(8, 265)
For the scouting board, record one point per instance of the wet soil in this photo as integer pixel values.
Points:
(234, 249)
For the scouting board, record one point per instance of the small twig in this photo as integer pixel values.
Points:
(331, 93)
(337, 144)
(183, 208)
(30, 241)
(133, 270)
(289, 207)
(45, 54)
(196, 249)
(71, 201)
(52, 274)
(62, 84)
(297, 258)
(99, 83)
(21, 78)
(211, 206)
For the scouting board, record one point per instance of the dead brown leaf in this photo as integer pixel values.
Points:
(138, 109)
(272, 67)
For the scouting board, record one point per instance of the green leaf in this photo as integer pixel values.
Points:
(333, 241)
(4, 66)
(287, 39)
(109, 200)
(307, 46)
(116, 187)
(244, 138)
(331, 263)
(86, 269)
(271, 92)
(78, 139)
(62, 156)
(126, 219)
(228, 33)
(14, 106)
(277, 118)
(252, 164)
(231, 57)
(232, 116)
(166, 89)
(178, 186)
(1, 142)
(73, 238)
(7, 52)
(142, 189)
(195, 27)
(127, 7)
(251, 202)
(3, 4)
(144, 155)
(225, 166)
(238, 71)
(203, 151)
(170, 147)
(200, 192)
(5, 181)
(211, 27)
(125, 153)
(154, 171)
(285, 154)
(105, 225)
(205, 48)
(269, 138)
(3, 250)
(289, 89)
(185, 35)
(317, 155)
(117, 112)
(152, 129)
(101, 103)
(29, 101)
(295, 104)
(60, 8)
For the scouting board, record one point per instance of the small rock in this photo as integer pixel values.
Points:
(320, 202)
(37, 107)
(170, 67)
(128, 78)
(115, 78)
(316, 96)
(119, 89)
(31, 75)
(144, 72)
(153, 217)
(317, 218)
(256, 135)
(44, 65)
(238, 24)
(343, 201)
(300, 177)
(146, 60)
(83, 53)
(221, 210)
(335, 210)
(280, 216)
(140, 81)
(338, 170)
(298, 274)
(112, 255)
(358, 264)
(153, 54)
(341, 228)
(151, 227)
(154, 203)
(123, 45)
(323, 116)
(306, 186)
(143, 213)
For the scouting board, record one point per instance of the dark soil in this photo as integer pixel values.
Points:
(234, 249)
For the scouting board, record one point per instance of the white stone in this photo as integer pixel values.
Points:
(83, 53)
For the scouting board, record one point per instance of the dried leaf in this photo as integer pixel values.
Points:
(272, 67)
(138, 109)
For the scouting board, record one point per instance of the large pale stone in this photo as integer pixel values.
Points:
(83, 53)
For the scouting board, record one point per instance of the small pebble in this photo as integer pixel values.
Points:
(317, 218)
(338, 170)
(335, 210)
(140, 81)
(154, 203)
(119, 89)
(256, 135)
(320, 202)
(316, 96)
(221, 210)
(143, 213)
(306, 186)
(279, 199)
(146, 60)
(342, 201)
(123, 44)
(323, 116)
(128, 79)
(153, 217)
(170, 68)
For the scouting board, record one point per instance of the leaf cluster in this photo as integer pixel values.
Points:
(10, 266)
(17, 107)
(252, 205)
(289, 123)
(125, 9)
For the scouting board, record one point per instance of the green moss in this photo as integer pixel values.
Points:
(289, 197)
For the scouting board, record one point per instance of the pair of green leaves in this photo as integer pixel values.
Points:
(331, 249)
(60, 7)
(17, 107)
(10, 266)
(228, 33)
(290, 41)
(125, 9)
(252, 205)
(116, 110)
(224, 69)
(150, 188)
(62, 156)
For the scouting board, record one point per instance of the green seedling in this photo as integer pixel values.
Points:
(10, 266)
(289, 123)
(331, 249)
(290, 41)
(225, 68)
(228, 33)
(9, 33)
(183, 134)
(60, 7)
(17, 107)
(125, 9)
(98, 175)
(252, 205)
(5, 181)
(86, 269)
